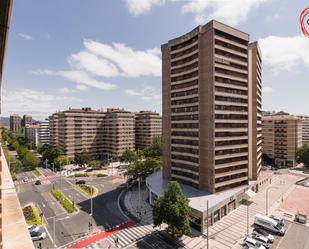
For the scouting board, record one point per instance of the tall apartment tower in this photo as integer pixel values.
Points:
(305, 132)
(15, 122)
(32, 134)
(118, 132)
(27, 120)
(255, 110)
(206, 107)
(43, 132)
(148, 125)
(77, 130)
(282, 136)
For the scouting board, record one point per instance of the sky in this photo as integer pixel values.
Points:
(106, 53)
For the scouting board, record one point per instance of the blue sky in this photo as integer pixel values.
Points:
(106, 53)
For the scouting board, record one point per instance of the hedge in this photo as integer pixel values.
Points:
(65, 203)
(31, 215)
(87, 189)
(101, 175)
(80, 175)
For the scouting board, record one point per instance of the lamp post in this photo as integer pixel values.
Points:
(207, 225)
(267, 197)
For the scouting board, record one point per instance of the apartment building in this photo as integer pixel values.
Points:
(77, 130)
(255, 110)
(43, 132)
(15, 122)
(32, 134)
(305, 131)
(148, 125)
(118, 133)
(282, 136)
(27, 120)
(206, 107)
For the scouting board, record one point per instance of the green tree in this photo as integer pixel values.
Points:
(94, 164)
(129, 156)
(15, 145)
(61, 161)
(42, 148)
(52, 152)
(81, 159)
(173, 209)
(143, 168)
(22, 151)
(15, 166)
(31, 160)
(155, 149)
(302, 155)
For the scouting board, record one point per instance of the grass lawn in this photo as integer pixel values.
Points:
(31, 215)
(65, 203)
(36, 172)
(87, 189)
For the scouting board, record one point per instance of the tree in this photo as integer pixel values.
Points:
(60, 161)
(51, 153)
(81, 159)
(173, 209)
(302, 155)
(15, 166)
(15, 145)
(142, 169)
(42, 148)
(31, 160)
(155, 149)
(129, 156)
(22, 151)
(94, 164)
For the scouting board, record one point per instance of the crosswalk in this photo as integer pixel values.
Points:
(125, 237)
(41, 178)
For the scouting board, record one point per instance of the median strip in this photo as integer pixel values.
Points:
(87, 189)
(65, 203)
(32, 215)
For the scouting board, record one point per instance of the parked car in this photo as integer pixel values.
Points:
(33, 228)
(261, 239)
(38, 182)
(278, 219)
(37, 235)
(268, 224)
(264, 233)
(301, 218)
(252, 243)
(80, 182)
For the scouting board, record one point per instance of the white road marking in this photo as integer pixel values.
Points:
(49, 234)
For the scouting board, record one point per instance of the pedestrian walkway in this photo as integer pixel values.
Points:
(41, 178)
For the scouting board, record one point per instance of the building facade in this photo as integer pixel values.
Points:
(27, 120)
(43, 132)
(147, 126)
(305, 132)
(206, 107)
(15, 122)
(32, 134)
(282, 136)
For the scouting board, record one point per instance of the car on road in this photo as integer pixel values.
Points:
(268, 224)
(261, 239)
(25, 179)
(37, 235)
(80, 182)
(278, 219)
(264, 233)
(33, 228)
(38, 182)
(252, 243)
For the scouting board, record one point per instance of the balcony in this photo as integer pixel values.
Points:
(14, 228)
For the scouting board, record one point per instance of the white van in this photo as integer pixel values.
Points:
(268, 224)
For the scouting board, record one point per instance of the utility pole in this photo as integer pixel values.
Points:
(207, 225)
(247, 217)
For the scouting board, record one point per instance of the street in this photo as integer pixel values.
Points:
(71, 227)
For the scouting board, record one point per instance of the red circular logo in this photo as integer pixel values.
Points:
(304, 24)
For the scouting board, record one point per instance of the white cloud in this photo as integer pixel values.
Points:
(79, 77)
(131, 63)
(25, 36)
(285, 53)
(145, 93)
(227, 11)
(65, 90)
(39, 104)
(267, 89)
(138, 7)
(81, 87)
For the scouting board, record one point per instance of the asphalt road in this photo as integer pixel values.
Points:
(68, 228)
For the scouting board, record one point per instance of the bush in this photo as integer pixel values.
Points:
(65, 203)
(80, 175)
(101, 175)
(31, 215)
(88, 190)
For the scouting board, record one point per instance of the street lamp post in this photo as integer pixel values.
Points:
(247, 218)
(267, 197)
(207, 226)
